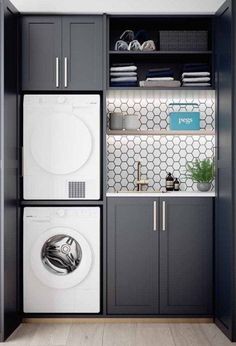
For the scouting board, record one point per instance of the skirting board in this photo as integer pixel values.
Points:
(118, 320)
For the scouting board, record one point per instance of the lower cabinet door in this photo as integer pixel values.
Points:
(186, 241)
(132, 231)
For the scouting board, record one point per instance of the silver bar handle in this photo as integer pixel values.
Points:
(163, 216)
(57, 72)
(66, 71)
(154, 216)
(22, 161)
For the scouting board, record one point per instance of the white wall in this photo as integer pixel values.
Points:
(119, 6)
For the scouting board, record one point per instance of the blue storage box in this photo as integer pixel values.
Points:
(184, 121)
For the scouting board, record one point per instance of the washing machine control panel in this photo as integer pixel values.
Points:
(51, 213)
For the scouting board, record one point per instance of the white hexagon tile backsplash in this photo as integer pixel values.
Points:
(158, 154)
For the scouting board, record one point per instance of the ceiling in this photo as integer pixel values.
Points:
(121, 6)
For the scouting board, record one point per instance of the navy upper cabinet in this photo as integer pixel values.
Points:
(62, 53)
(82, 53)
(186, 244)
(41, 53)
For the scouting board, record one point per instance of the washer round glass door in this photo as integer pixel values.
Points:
(61, 143)
(61, 258)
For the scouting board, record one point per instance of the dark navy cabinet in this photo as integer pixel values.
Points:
(225, 265)
(160, 255)
(10, 316)
(186, 264)
(62, 53)
(82, 51)
(132, 260)
(41, 53)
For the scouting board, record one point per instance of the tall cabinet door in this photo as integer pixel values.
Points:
(82, 66)
(10, 316)
(224, 197)
(41, 53)
(186, 256)
(132, 233)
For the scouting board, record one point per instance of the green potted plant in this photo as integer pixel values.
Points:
(202, 172)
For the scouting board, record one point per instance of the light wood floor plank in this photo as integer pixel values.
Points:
(51, 335)
(188, 335)
(22, 336)
(153, 334)
(85, 335)
(118, 334)
(122, 334)
(215, 335)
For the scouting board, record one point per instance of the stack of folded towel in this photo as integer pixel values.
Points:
(123, 75)
(196, 75)
(161, 77)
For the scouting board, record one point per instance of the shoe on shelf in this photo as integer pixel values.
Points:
(127, 36)
(121, 45)
(134, 45)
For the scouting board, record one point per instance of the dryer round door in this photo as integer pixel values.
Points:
(61, 143)
(61, 258)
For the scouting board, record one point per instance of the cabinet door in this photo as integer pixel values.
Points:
(186, 256)
(224, 257)
(10, 317)
(41, 53)
(82, 52)
(132, 256)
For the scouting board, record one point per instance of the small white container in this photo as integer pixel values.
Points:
(116, 121)
(131, 122)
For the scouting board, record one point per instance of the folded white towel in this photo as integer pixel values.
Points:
(124, 79)
(165, 84)
(123, 74)
(159, 78)
(194, 80)
(123, 69)
(201, 74)
(196, 84)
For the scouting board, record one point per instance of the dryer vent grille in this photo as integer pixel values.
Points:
(76, 189)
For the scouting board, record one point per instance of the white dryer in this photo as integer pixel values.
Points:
(61, 147)
(61, 259)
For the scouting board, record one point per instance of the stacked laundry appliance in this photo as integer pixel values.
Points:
(61, 245)
(196, 75)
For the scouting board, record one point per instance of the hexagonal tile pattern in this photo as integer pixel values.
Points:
(153, 109)
(157, 159)
(158, 154)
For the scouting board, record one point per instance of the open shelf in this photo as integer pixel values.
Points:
(175, 58)
(159, 52)
(161, 88)
(159, 133)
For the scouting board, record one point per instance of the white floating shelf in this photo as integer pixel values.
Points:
(159, 133)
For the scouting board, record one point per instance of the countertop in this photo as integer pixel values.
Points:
(162, 194)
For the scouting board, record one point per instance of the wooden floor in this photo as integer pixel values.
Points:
(118, 334)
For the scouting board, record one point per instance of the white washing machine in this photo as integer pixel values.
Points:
(61, 259)
(61, 147)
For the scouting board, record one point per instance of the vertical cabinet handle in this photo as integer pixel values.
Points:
(66, 71)
(163, 216)
(154, 216)
(22, 161)
(57, 72)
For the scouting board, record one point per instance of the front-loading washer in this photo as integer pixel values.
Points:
(61, 147)
(61, 260)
